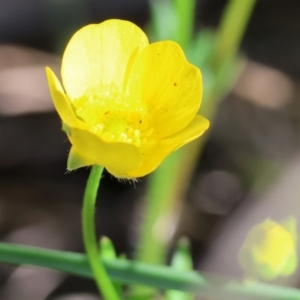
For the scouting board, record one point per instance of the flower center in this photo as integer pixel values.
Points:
(113, 116)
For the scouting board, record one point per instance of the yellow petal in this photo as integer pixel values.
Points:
(60, 100)
(195, 129)
(98, 55)
(119, 156)
(169, 85)
(155, 151)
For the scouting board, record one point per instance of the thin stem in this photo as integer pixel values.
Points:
(159, 210)
(232, 28)
(185, 21)
(153, 241)
(161, 203)
(101, 277)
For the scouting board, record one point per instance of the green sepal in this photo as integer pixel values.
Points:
(66, 128)
(76, 160)
(290, 265)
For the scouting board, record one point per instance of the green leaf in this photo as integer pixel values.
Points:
(160, 277)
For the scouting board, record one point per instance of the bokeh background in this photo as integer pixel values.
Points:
(249, 169)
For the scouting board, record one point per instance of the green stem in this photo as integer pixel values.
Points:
(153, 241)
(161, 277)
(101, 277)
(228, 38)
(232, 28)
(160, 205)
(185, 21)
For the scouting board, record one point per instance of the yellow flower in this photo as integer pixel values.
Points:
(126, 104)
(269, 250)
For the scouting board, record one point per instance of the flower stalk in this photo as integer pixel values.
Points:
(101, 277)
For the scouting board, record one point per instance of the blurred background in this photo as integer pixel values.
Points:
(249, 169)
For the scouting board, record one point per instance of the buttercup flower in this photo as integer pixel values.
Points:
(125, 104)
(269, 250)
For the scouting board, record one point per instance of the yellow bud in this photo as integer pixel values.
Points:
(269, 250)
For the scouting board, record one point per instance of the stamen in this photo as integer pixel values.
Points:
(113, 116)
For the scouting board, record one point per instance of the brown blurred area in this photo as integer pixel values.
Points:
(249, 170)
